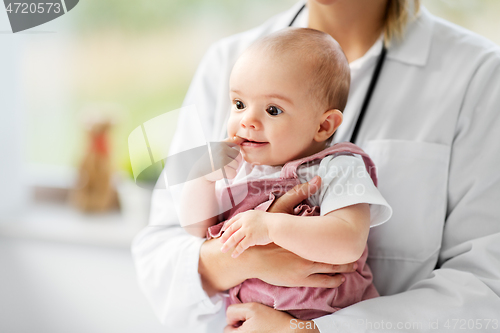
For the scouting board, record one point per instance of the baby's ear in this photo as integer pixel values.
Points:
(330, 121)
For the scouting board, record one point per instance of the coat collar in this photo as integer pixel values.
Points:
(417, 41)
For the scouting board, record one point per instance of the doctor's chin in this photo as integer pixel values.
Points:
(264, 166)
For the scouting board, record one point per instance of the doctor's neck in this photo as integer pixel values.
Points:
(355, 24)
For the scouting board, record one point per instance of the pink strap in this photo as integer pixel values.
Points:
(290, 169)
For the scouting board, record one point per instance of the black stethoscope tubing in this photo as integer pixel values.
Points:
(371, 87)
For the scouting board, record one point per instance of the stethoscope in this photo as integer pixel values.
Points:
(371, 87)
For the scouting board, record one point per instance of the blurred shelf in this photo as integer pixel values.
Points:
(53, 221)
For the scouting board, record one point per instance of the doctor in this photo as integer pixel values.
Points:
(431, 123)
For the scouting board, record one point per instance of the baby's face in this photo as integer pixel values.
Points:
(273, 109)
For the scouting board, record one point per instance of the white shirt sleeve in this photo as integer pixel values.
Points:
(346, 182)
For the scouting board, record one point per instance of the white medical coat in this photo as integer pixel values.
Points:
(433, 130)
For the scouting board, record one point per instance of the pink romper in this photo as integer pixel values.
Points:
(301, 302)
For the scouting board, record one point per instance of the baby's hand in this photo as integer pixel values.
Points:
(225, 159)
(244, 230)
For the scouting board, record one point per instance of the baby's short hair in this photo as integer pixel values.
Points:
(330, 69)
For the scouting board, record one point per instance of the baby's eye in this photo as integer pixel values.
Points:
(239, 105)
(273, 110)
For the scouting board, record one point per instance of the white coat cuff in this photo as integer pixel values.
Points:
(198, 295)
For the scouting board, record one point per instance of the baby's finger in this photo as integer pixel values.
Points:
(223, 153)
(231, 221)
(242, 246)
(231, 151)
(233, 240)
(227, 233)
(235, 139)
(231, 147)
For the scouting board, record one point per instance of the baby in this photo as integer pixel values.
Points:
(287, 91)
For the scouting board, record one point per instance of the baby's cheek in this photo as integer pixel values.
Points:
(232, 127)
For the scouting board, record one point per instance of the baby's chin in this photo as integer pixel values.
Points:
(256, 161)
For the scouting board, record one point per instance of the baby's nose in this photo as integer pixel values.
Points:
(250, 121)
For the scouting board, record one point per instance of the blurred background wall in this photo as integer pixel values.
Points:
(62, 269)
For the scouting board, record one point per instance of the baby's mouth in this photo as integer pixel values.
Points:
(252, 143)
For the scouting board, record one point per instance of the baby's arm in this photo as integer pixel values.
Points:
(338, 237)
(199, 208)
